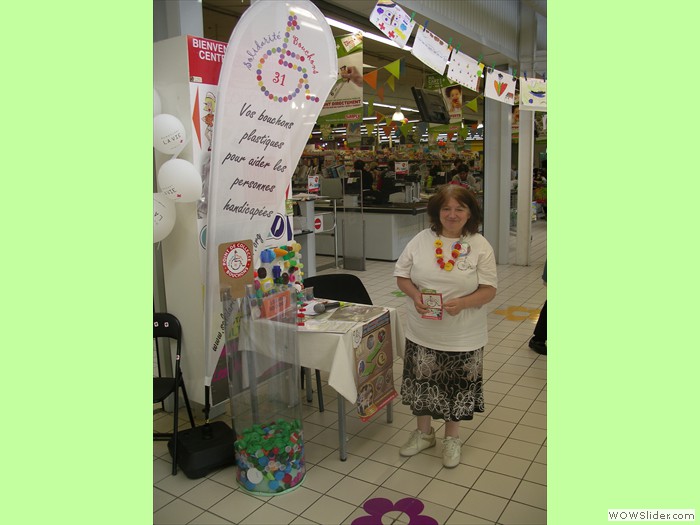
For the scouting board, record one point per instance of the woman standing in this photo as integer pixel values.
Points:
(443, 362)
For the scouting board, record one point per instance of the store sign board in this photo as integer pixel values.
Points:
(344, 102)
(204, 59)
(434, 82)
(277, 71)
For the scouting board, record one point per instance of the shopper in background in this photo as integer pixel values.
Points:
(539, 337)
(367, 178)
(457, 166)
(443, 361)
(435, 171)
(464, 177)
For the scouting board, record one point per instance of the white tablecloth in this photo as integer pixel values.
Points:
(333, 353)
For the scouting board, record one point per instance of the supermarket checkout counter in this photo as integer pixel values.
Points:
(387, 227)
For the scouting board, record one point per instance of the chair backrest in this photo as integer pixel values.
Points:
(167, 325)
(339, 286)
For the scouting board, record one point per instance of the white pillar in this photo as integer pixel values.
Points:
(497, 154)
(525, 152)
(526, 140)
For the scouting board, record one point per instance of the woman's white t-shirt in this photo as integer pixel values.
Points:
(476, 265)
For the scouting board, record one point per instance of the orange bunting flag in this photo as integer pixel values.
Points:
(390, 81)
(449, 136)
(394, 68)
(371, 79)
(380, 117)
(380, 93)
(387, 130)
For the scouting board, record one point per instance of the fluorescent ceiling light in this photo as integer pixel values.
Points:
(379, 105)
(371, 36)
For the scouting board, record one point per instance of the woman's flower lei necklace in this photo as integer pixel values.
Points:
(440, 257)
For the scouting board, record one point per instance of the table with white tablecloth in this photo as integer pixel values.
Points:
(333, 352)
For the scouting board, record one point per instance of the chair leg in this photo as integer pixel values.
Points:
(320, 390)
(187, 403)
(175, 425)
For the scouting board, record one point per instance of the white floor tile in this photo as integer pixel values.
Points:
(269, 515)
(207, 518)
(175, 513)
(519, 514)
(406, 483)
(161, 498)
(537, 473)
(464, 475)
(532, 494)
(459, 518)
(352, 490)
(236, 506)
(373, 472)
(321, 479)
(206, 494)
(443, 493)
(329, 511)
(483, 505)
(509, 465)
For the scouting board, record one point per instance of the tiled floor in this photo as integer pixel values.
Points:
(502, 477)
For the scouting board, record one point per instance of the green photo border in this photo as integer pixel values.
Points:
(622, 223)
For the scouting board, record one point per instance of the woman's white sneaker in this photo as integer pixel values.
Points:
(418, 441)
(451, 451)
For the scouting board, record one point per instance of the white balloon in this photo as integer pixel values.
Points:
(163, 216)
(157, 107)
(180, 181)
(168, 134)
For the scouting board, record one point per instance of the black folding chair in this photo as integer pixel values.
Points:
(340, 287)
(167, 325)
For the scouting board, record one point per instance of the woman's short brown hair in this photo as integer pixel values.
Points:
(461, 195)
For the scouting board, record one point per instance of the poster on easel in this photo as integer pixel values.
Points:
(373, 365)
(279, 67)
